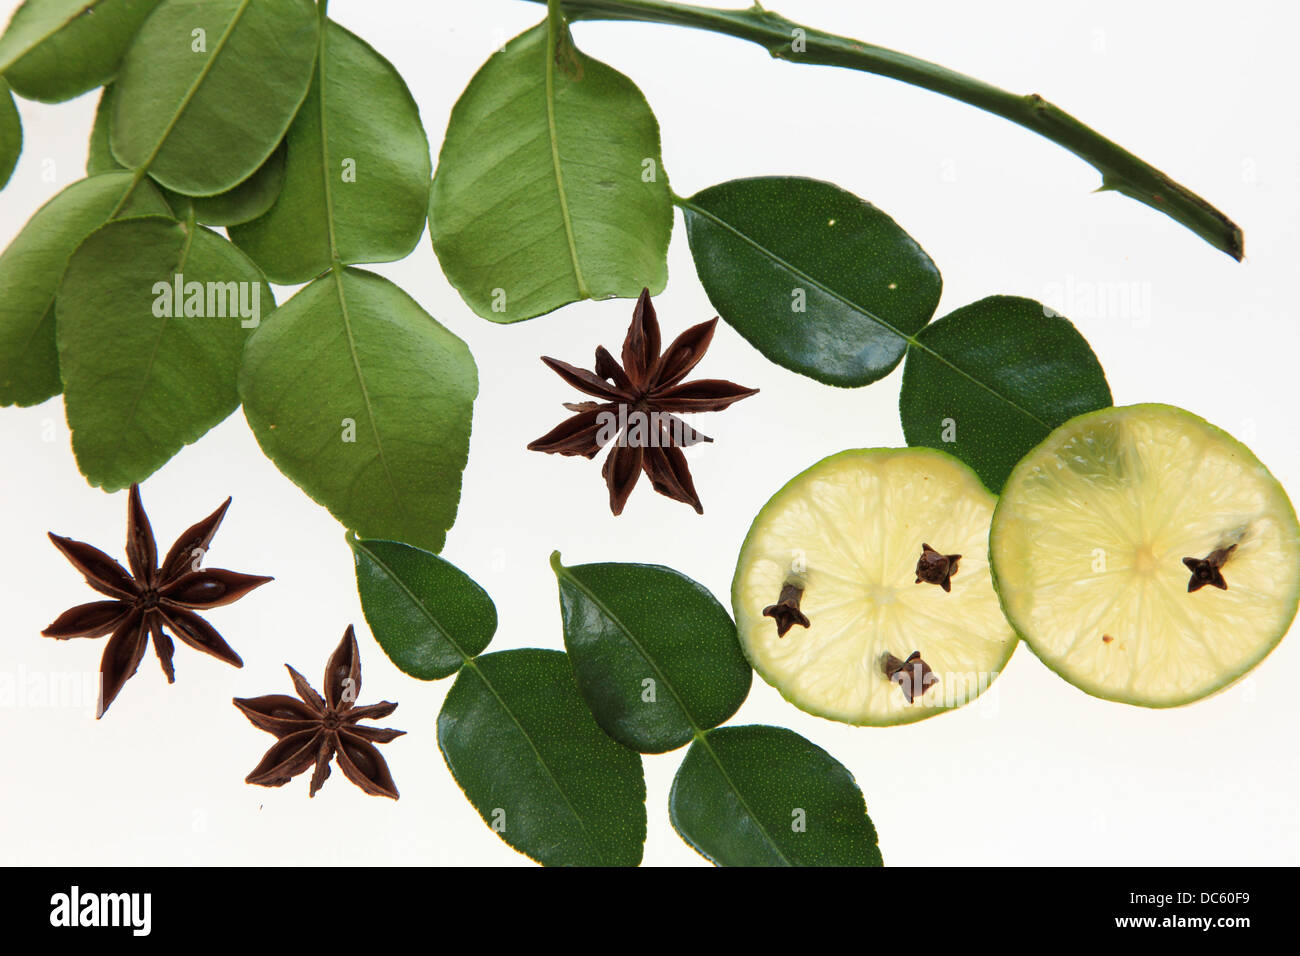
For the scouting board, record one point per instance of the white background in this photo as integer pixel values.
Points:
(1036, 773)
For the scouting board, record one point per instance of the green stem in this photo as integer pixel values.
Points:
(554, 16)
(1120, 170)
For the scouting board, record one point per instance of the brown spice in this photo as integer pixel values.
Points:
(935, 568)
(312, 730)
(913, 675)
(786, 611)
(1209, 569)
(150, 598)
(642, 398)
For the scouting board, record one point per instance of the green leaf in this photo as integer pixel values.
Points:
(357, 183)
(203, 111)
(815, 278)
(428, 615)
(989, 381)
(11, 134)
(533, 762)
(99, 155)
(764, 796)
(364, 401)
(539, 199)
(250, 199)
(54, 50)
(655, 655)
(146, 372)
(32, 267)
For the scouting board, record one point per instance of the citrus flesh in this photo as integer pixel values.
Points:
(849, 531)
(1088, 546)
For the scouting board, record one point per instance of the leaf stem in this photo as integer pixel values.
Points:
(1120, 170)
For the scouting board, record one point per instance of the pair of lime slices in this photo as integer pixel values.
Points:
(1143, 554)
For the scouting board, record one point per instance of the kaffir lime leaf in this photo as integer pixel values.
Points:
(850, 532)
(1146, 556)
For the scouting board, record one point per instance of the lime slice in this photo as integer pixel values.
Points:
(842, 541)
(1089, 545)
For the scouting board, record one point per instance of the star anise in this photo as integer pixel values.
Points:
(150, 598)
(314, 729)
(640, 401)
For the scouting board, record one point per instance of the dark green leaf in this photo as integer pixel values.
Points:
(365, 402)
(815, 278)
(145, 372)
(11, 134)
(654, 653)
(357, 180)
(427, 614)
(989, 381)
(550, 186)
(764, 796)
(30, 271)
(526, 751)
(204, 120)
(54, 50)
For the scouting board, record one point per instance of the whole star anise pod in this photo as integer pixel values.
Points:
(314, 729)
(150, 598)
(640, 401)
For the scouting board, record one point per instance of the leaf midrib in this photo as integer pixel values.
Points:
(337, 273)
(142, 170)
(472, 664)
(560, 570)
(424, 610)
(26, 50)
(337, 268)
(550, 49)
(324, 140)
(703, 740)
(911, 340)
(189, 227)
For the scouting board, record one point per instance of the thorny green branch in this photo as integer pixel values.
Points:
(1120, 170)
